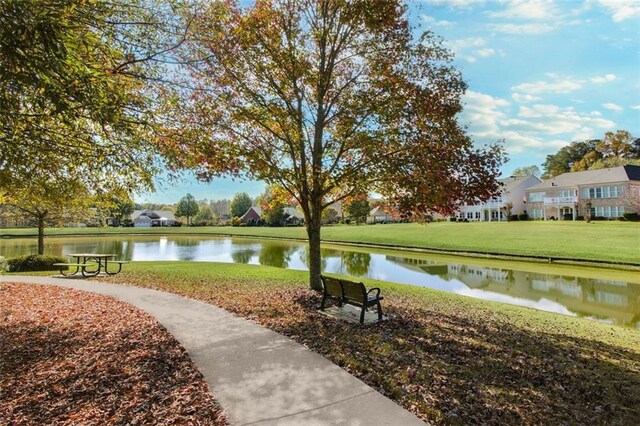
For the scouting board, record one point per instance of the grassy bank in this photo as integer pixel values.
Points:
(447, 358)
(598, 241)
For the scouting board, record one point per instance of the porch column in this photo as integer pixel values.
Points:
(573, 211)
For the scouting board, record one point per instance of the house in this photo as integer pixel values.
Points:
(149, 218)
(253, 215)
(378, 215)
(513, 192)
(600, 193)
(293, 217)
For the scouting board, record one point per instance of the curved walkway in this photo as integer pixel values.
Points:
(257, 375)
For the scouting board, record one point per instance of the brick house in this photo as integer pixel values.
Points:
(604, 193)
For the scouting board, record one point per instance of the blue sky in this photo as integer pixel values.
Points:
(541, 73)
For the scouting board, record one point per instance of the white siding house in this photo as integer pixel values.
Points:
(514, 191)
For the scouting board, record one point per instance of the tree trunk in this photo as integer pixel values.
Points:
(315, 260)
(41, 235)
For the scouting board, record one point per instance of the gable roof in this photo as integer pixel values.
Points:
(512, 182)
(378, 211)
(590, 177)
(148, 214)
(292, 212)
(256, 209)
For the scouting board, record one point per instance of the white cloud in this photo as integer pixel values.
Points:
(603, 79)
(527, 9)
(485, 52)
(471, 48)
(613, 107)
(538, 87)
(523, 29)
(455, 4)
(541, 127)
(435, 22)
(621, 9)
(523, 99)
(635, 107)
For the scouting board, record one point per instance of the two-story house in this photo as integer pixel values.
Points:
(603, 193)
(512, 194)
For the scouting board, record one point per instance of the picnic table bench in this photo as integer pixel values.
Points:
(352, 293)
(86, 262)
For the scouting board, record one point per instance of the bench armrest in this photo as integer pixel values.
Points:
(376, 289)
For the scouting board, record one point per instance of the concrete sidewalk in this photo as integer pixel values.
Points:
(258, 376)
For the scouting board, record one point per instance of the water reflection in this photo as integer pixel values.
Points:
(607, 300)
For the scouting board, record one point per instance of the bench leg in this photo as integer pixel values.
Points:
(324, 297)
(362, 315)
(65, 274)
(379, 311)
(112, 273)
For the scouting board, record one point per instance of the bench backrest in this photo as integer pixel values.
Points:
(353, 291)
(331, 286)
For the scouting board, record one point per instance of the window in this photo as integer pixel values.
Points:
(607, 211)
(477, 215)
(612, 191)
(469, 215)
(536, 196)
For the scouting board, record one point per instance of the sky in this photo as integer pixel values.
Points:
(541, 74)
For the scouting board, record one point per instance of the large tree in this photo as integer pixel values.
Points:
(327, 98)
(240, 203)
(187, 207)
(74, 87)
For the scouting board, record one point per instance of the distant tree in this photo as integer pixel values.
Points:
(330, 215)
(615, 149)
(187, 207)
(120, 209)
(563, 160)
(205, 216)
(527, 171)
(358, 210)
(240, 203)
(507, 209)
(220, 207)
(48, 199)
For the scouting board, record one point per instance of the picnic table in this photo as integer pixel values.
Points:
(90, 264)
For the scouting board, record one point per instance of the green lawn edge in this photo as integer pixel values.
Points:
(615, 243)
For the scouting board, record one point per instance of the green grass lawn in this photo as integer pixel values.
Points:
(599, 241)
(449, 359)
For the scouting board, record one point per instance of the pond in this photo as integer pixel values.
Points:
(529, 284)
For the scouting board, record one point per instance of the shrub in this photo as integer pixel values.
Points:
(523, 216)
(632, 217)
(235, 221)
(34, 262)
(514, 217)
(3, 263)
(579, 217)
(567, 216)
(241, 224)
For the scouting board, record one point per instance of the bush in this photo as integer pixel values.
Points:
(579, 217)
(3, 263)
(632, 217)
(34, 262)
(523, 216)
(235, 221)
(567, 216)
(514, 217)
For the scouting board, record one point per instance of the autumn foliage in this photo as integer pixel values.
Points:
(326, 99)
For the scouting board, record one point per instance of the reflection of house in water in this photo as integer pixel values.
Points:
(603, 299)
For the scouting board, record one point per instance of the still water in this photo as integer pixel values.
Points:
(600, 299)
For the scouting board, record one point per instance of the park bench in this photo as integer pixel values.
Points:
(352, 293)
